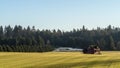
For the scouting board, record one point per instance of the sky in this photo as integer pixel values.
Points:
(60, 14)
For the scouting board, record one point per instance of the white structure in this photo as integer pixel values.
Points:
(67, 49)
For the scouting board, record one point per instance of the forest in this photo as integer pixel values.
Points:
(30, 39)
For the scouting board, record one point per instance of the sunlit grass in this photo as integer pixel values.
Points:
(59, 60)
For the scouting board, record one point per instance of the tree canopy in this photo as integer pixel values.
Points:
(30, 39)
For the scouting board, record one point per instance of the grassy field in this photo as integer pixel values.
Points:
(59, 60)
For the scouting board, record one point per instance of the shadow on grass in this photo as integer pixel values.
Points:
(79, 64)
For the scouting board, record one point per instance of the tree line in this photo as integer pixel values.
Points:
(29, 39)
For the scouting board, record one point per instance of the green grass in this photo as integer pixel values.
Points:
(59, 60)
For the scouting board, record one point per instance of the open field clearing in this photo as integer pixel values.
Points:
(59, 60)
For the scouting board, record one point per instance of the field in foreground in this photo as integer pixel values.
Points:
(59, 60)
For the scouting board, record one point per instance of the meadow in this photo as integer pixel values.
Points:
(110, 59)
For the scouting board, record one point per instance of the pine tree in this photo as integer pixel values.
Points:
(112, 44)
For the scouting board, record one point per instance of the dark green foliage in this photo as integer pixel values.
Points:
(19, 39)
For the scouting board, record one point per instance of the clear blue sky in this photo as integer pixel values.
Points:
(60, 14)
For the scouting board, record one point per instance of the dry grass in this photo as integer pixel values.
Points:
(59, 60)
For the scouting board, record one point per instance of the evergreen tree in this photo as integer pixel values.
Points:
(112, 44)
(118, 45)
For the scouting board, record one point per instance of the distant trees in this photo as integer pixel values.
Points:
(21, 39)
(112, 44)
(118, 45)
(29, 39)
